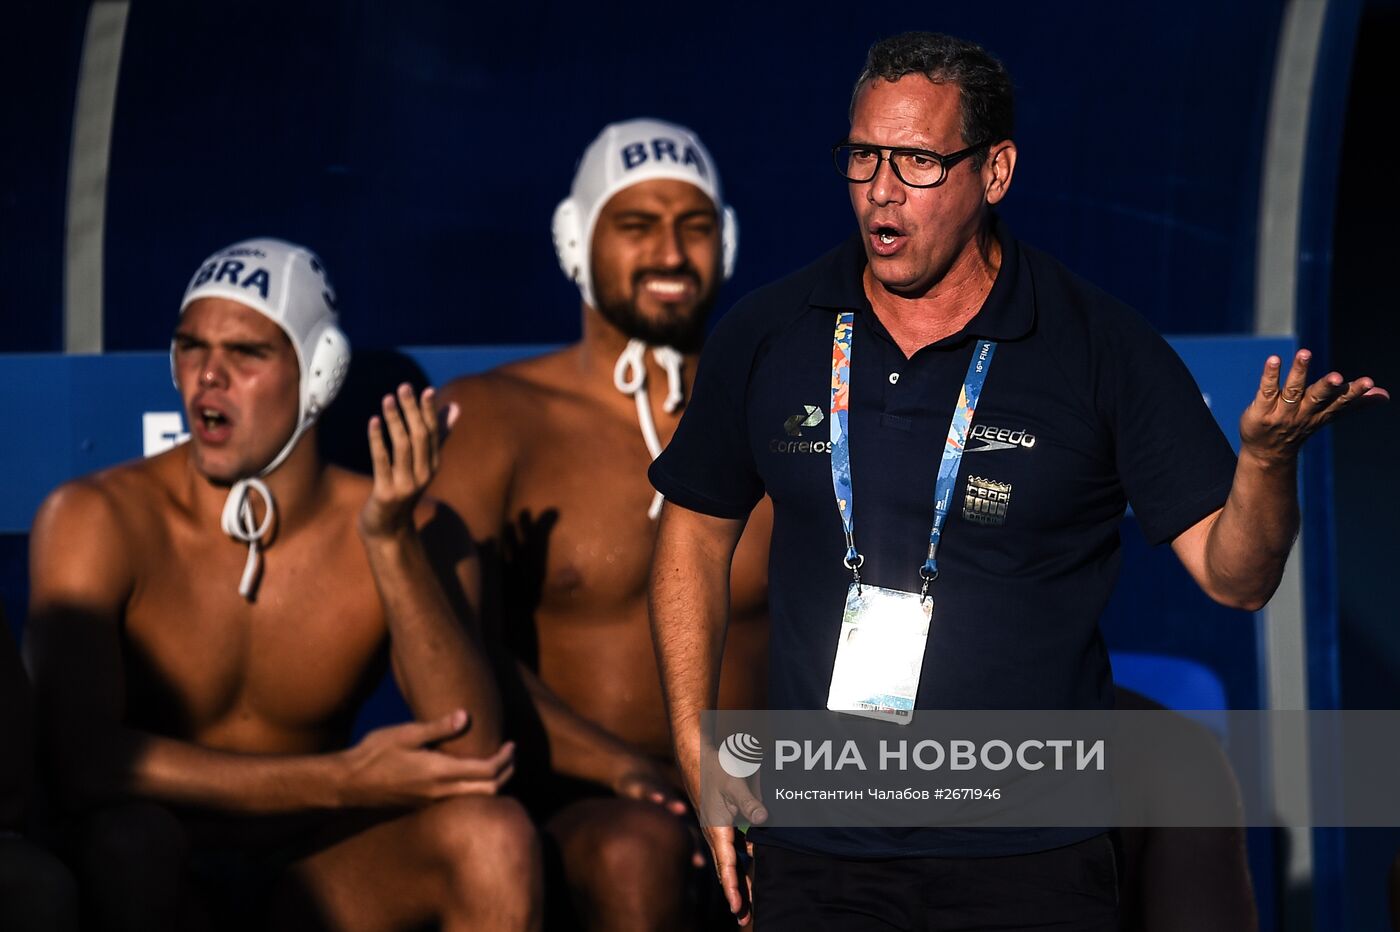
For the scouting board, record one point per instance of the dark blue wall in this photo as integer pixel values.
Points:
(421, 147)
(38, 74)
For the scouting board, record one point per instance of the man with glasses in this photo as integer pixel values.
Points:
(549, 474)
(891, 336)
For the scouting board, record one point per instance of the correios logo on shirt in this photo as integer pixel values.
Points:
(810, 416)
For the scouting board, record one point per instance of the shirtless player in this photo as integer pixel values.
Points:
(197, 684)
(553, 483)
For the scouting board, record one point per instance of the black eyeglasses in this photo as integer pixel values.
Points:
(918, 168)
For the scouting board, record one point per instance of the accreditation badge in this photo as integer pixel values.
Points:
(880, 654)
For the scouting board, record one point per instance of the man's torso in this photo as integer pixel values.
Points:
(576, 547)
(280, 674)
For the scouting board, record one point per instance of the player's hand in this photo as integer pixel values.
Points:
(640, 778)
(404, 467)
(1282, 417)
(398, 765)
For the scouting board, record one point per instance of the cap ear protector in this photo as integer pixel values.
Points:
(567, 230)
(324, 373)
(572, 244)
(625, 154)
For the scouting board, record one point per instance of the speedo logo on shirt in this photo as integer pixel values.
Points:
(810, 416)
(999, 438)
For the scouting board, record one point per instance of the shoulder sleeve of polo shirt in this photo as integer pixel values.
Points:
(1173, 460)
(708, 466)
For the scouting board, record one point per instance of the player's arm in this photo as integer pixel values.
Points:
(437, 656)
(585, 750)
(1237, 554)
(80, 583)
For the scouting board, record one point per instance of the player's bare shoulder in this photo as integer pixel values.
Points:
(503, 413)
(130, 496)
(506, 409)
(510, 397)
(103, 523)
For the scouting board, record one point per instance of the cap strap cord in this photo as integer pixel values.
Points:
(630, 378)
(238, 522)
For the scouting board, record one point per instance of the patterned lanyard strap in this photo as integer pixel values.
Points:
(952, 447)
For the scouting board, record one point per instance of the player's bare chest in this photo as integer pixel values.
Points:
(314, 613)
(576, 517)
(582, 540)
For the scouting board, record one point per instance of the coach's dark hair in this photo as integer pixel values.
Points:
(988, 103)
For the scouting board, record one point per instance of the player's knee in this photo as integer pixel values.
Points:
(134, 837)
(483, 837)
(642, 840)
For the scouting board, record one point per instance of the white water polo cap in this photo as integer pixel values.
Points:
(625, 154)
(288, 284)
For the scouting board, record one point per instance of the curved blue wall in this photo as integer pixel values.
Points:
(421, 147)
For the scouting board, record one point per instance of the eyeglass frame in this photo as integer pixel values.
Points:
(946, 161)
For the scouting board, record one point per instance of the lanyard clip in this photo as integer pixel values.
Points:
(854, 561)
(928, 572)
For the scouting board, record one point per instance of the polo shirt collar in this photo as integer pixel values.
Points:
(1008, 313)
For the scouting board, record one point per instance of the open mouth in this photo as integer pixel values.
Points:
(212, 419)
(886, 238)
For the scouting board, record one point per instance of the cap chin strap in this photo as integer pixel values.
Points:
(238, 523)
(630, 378)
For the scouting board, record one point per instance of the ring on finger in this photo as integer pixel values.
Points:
(1291, 401)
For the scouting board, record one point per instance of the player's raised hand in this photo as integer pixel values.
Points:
(1284, 415)
(406, 464)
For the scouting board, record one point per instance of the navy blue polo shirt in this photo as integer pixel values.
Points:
(1084, 410)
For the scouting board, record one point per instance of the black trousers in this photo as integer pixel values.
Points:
(1063, 889)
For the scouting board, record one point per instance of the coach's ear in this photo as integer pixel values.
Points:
(997, 170)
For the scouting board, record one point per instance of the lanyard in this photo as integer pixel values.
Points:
(952, 447)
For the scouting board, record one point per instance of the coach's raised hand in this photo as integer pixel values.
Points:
(1282, 417)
